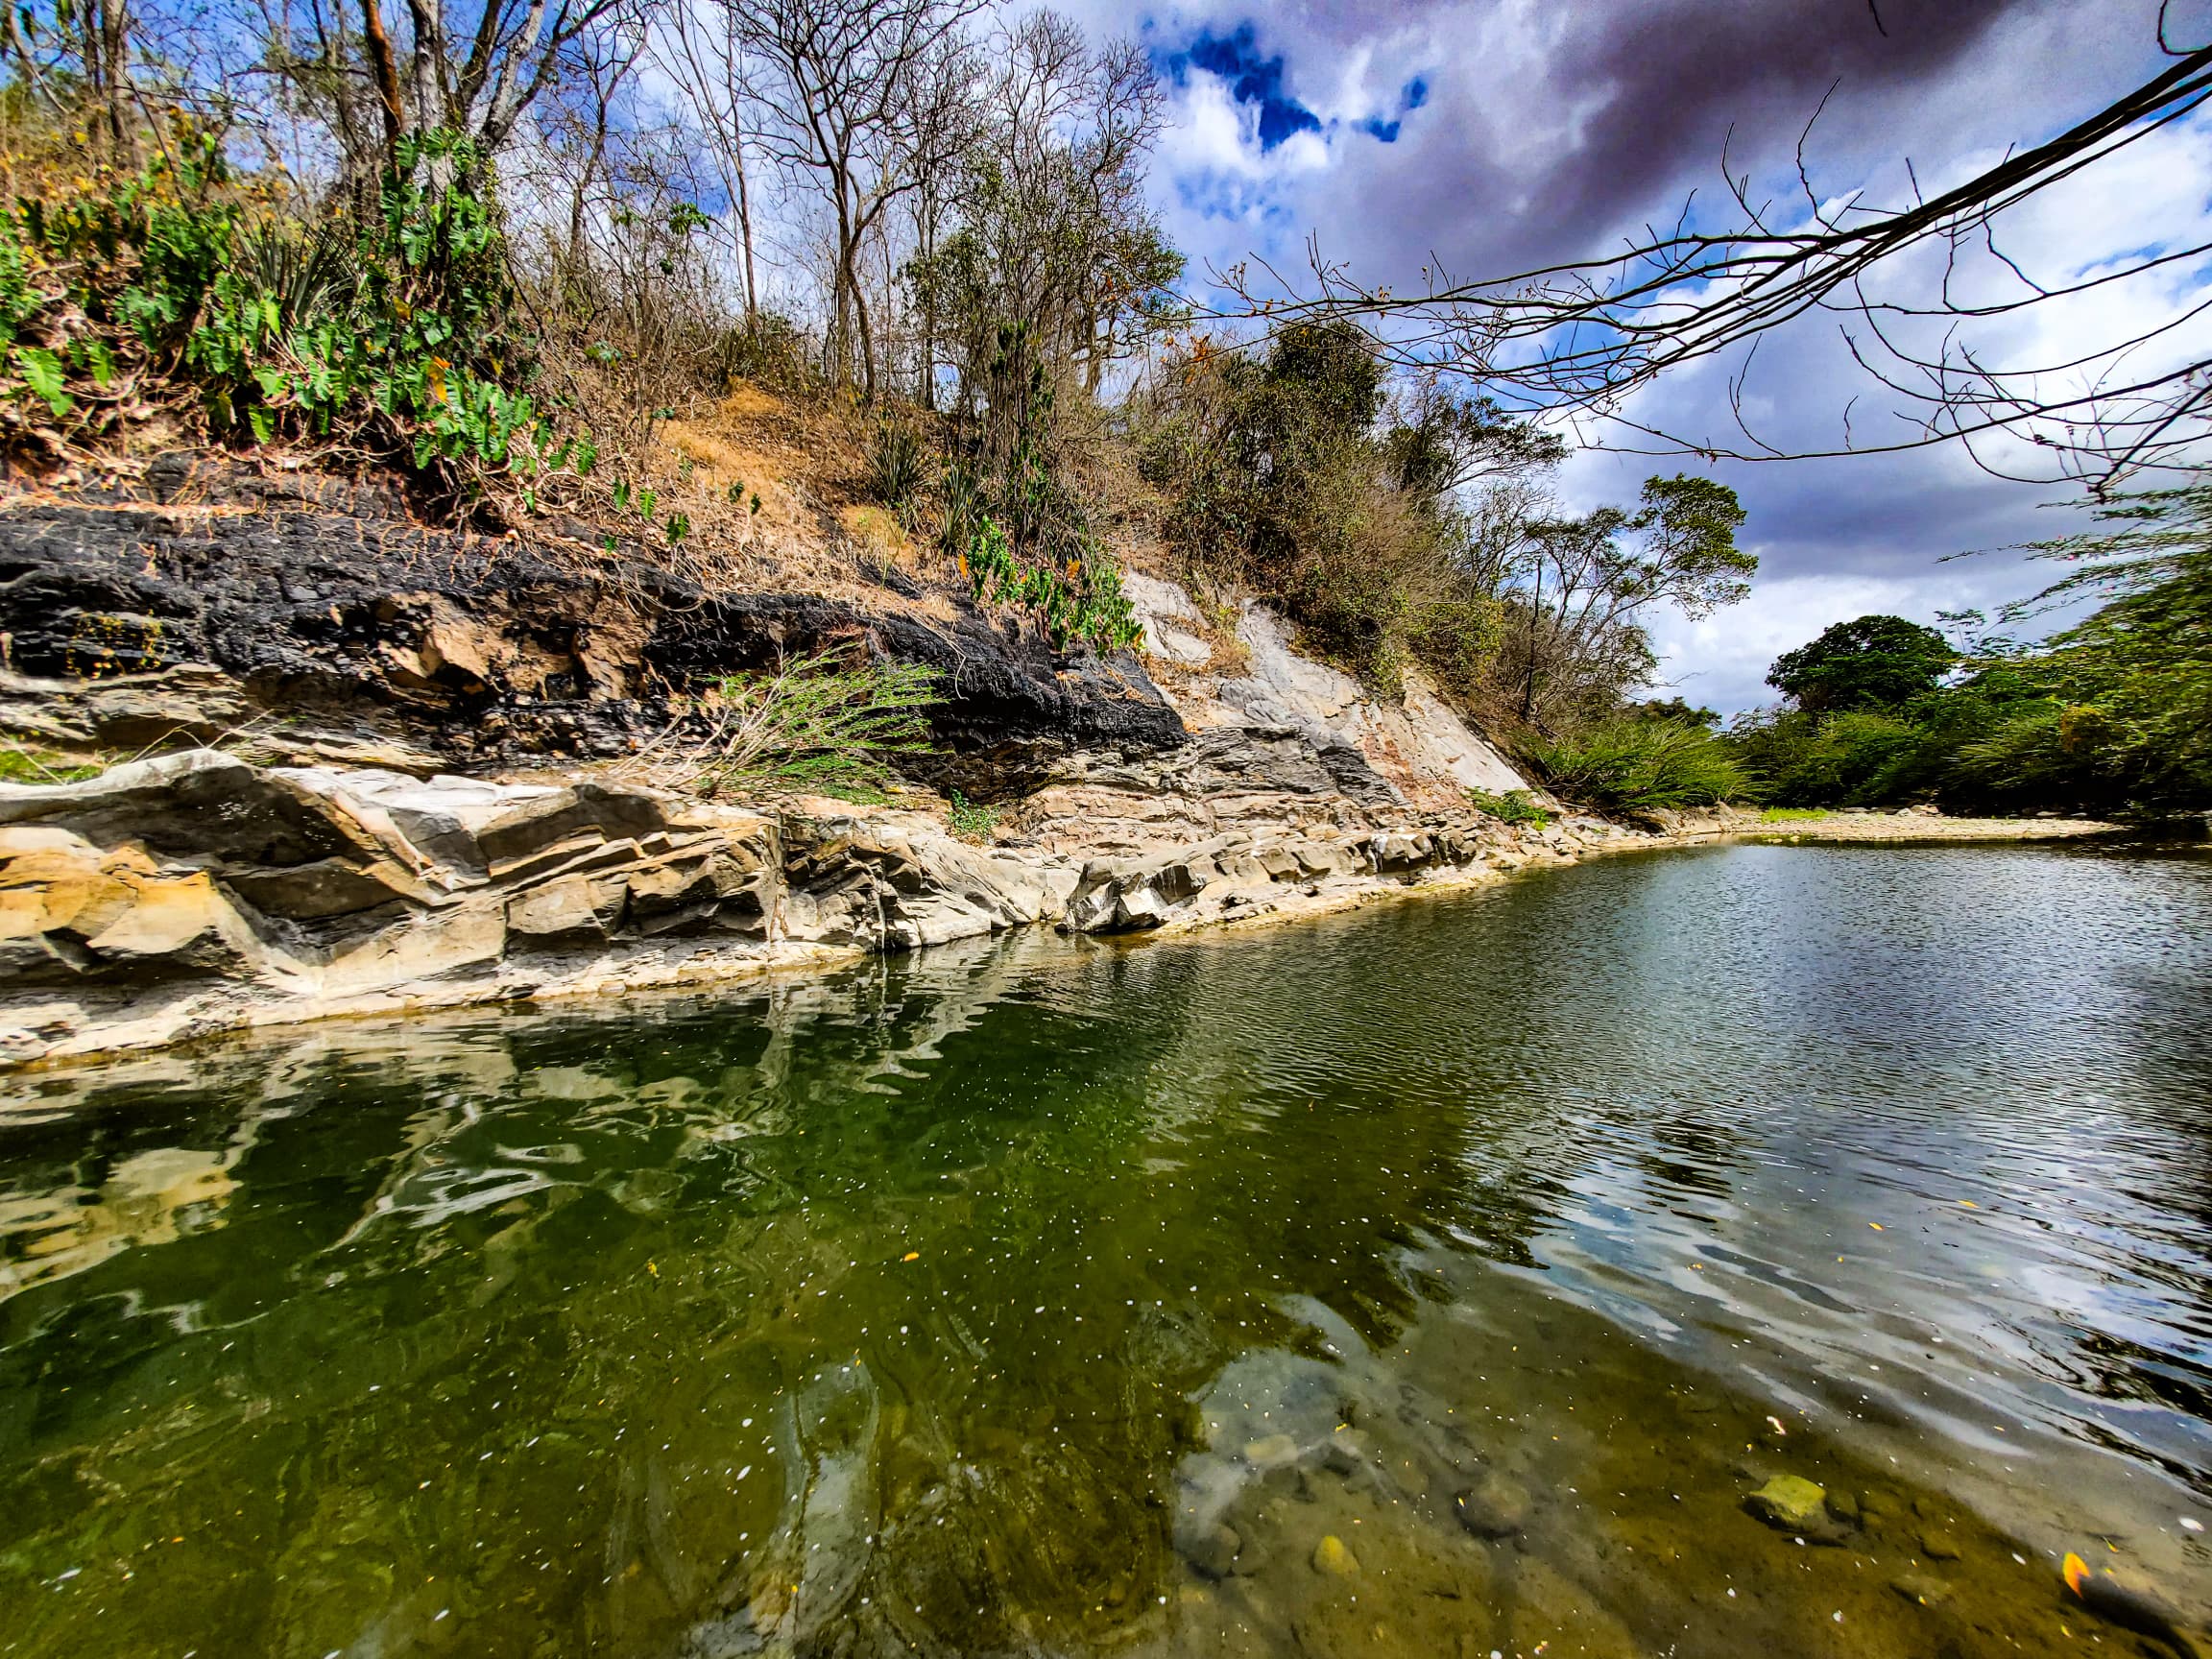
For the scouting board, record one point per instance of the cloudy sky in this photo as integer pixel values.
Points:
(1487, 134)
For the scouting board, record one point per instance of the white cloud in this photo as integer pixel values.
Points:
(1721, 661)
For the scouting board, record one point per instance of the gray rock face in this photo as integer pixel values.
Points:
(194, 892)
(168, 892)
(1217, 876)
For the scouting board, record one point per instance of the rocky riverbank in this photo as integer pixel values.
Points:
(403, 768)
(195, 893)
(403, 764)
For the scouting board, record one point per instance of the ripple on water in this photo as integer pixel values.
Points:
(1438, 1279)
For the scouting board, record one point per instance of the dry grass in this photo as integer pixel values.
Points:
(803, 460)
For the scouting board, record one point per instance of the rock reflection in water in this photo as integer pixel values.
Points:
(1436, 1280)
(149, 1198)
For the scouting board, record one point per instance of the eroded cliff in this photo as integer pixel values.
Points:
(398, 768)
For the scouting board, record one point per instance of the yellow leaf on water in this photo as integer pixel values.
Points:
(653, 1268)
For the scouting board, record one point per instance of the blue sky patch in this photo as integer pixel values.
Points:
(1252, 80)
(1411, 97)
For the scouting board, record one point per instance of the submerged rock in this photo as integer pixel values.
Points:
(1922, 1590)
(2130, 1607)
(1791, 1502)
(1332, 1560)
(1212, 1551)
(1493, 1507)
(1271, 1450)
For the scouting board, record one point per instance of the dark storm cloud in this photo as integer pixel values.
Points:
(1487, 135)
(1678, 76)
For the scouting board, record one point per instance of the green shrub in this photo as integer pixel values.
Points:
(769, 349)
(1275, 474)
(1514, 807)
(970, 821)
(897, 458)
(1859, 758)
(1082, 601)
(20, 763)
(813, 726)
(395, 331)
(1643, 765)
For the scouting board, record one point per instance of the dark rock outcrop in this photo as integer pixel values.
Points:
(217, 596)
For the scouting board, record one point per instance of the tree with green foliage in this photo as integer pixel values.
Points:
(1037, 262)
(2115, 713)
(1416, 529)
(1867, 662)
(1676, 710)
(1576, 642)
(2111, 717)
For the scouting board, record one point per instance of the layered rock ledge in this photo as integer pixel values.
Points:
(1217, 777)
(196, 892)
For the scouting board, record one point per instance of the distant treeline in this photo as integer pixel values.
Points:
(2111, 716)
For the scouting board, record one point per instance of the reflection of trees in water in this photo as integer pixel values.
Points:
(545, 1270)
(917, 1269)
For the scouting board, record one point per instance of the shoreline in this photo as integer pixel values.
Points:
(941, 889)
(1867, 829)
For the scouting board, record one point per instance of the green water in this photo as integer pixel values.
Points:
(1048, 1297)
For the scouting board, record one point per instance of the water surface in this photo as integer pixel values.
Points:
(1051, 1298)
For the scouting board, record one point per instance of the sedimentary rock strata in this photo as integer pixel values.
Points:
(194, 892)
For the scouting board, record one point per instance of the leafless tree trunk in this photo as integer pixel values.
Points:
(386, 72)
(838, 84)
(478, 85)
(944, 121)
(702, 51)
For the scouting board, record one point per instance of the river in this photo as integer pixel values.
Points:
(1438, 1279)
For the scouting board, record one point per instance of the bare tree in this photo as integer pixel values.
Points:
(77, 53)
(947, 120)
(1580, 337)
(701, 49)
(1058, 260)
(473, 76)
(837, 84)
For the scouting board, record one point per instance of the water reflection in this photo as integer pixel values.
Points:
(1048, 1296)
(149, 1198)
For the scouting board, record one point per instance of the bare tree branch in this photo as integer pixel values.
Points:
(1579, 338)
